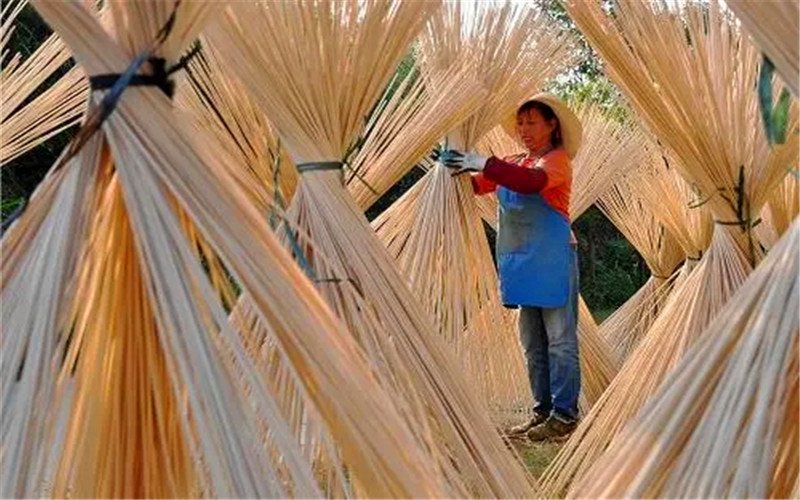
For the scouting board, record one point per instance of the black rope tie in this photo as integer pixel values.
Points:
(160, 76)
(742, 223)
(747, 223)
(318, 166)
(116, 83)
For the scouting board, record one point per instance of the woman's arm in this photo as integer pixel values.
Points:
(482, 185)
(520, 179)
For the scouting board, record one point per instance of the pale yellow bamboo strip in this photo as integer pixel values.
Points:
(514, 50)
(676, 204)
(775, 27)
(599, 365)
(58, 108)
(36, 296)
(628, 324)
(424, 376)
(625, 207)
(781, 209)
(423, 108)
(144, 163)
(27, 123)
(644, 46)
(8, 16)
(116, 335)
(21, 80)
(498, 142)
(307, 425)
(608, 150)
(686, 313)
(727, 414)
(221, 102)
(318, 108)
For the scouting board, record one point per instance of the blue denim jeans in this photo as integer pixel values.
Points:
(549, 339)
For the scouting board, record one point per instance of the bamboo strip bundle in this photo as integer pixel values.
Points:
(56, 221)
(512, 46)
(409, 122)
(599, 365)
(117, 336)
(624, 207)
(469, 316)
(625, 327)
(27, 123)
(733, 167)
(317, 104)
(225, 411)
(442, 250)
(781, 209)
(688, 310)
(86, 457)
(221, 102)
(726, 417)
(775, 28)
(676, 204)
(399, 338)
(609, 149)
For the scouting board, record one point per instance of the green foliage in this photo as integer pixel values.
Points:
(611, 270)
(584, 83)
(776, 118)
(8, 205)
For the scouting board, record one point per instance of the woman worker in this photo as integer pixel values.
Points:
(537, 254)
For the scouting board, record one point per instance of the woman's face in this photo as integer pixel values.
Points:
(534, 131)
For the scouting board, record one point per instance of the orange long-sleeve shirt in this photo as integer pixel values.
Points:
(555, 186)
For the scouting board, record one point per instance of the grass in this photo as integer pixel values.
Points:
(537, 456)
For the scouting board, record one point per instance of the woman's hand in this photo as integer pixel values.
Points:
(462, 162)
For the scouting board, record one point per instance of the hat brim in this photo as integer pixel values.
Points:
(571, 128)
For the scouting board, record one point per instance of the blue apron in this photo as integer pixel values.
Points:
(533, 251)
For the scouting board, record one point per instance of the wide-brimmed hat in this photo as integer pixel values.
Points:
(571, 129)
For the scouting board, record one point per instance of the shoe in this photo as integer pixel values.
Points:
(524, 427)
(553, 428)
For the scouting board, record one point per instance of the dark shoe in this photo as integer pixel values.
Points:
(553, 428)
(524, 427)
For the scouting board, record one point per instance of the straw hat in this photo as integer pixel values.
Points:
(571, 129)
